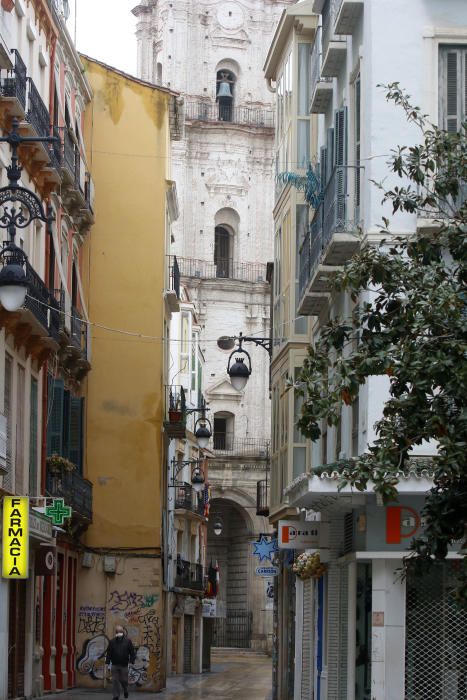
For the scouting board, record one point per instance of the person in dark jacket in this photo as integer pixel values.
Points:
(120, 653)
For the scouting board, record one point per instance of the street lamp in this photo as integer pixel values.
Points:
(217, 528)
(203, 427)
(239, 372)
(19, 207)
(197, 475)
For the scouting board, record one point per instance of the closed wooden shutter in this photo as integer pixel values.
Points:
(8, 479)
(329, 153)
(55, 417)
(76, 432)
(33, 434)
(340, 163)
(308, 644)
(453, 87)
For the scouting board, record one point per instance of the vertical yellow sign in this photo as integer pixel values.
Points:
(15, 537)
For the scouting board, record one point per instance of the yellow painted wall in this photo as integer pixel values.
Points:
(126, 130)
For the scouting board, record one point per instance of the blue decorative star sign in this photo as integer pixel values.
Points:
(265, 547)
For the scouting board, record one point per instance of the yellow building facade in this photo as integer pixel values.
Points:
(120, 579)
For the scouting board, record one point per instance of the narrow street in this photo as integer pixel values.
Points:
(234, 675)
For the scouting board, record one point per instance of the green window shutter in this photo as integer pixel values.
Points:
(330, 154)
(55, 417)
(66, 425)
(452, 90)
(76, 432)
(33, 432)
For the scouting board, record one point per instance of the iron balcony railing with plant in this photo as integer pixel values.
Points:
(73, 488)
(188, 499)
(222, 269)
(339, 212)
(204, 111)
(189, 575)
(15, 83)
(38, 114)
(175, 404)
(226, 443)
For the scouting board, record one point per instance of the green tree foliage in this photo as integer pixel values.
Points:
(411, 328)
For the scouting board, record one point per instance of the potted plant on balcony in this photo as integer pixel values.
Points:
(308, 566)
(57, 465)
(175, 407)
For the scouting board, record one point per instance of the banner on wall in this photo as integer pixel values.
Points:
(301, 534)
(15, 545)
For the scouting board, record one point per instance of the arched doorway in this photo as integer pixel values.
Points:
(229, 553)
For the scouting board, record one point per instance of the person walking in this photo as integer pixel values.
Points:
(120, 653)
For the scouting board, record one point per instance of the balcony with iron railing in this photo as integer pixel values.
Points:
(172, 294)
(14, 86)
(37, 114)
(333, 238)
(186, 498)
(75, 490)
(321, 87)
(347, 14)
(252, 448)
(79, 331)
(222, 269)
(214, 112)
(70, 159)
(334, 46)
(262, 498)
(188, 575)
(43, 304)
(175, 411)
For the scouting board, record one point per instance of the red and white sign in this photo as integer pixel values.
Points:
(299, 534)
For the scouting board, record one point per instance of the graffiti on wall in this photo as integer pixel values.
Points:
(137, 614)
(91, 619)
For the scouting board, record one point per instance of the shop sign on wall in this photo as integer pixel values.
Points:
(301, 534)
(267, 571)
(15, 546)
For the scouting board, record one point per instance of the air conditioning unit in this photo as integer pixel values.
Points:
(110, 565)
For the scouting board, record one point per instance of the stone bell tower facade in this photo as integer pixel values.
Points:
(212, 52)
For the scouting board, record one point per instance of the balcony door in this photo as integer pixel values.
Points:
(222, 252)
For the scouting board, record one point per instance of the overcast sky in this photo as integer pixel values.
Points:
(105, 29)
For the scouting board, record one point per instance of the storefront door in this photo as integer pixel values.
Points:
(16, 638)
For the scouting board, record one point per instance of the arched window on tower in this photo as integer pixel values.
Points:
(225, 84)
(222, 252)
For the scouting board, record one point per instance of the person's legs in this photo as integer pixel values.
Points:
(116, 679)
(124, 681)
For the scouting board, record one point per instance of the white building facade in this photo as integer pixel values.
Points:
(360, 631)
(211, 51)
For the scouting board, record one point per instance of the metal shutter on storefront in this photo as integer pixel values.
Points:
(187, 643)
(337, 615)
(436, 637)
(308, 641)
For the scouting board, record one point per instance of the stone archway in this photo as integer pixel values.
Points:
(244, 620)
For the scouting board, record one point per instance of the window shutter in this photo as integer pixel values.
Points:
(323, 158)
(33, 434)
(76, 432)
(340, 163)
(55, 413)
(330, 154)
(453, 87)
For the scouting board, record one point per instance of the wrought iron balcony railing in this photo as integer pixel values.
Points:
(174, 275)
(38, 297)
(203, 111)
(56, 149)
(222, 269)
(189, 575)
(188, 499)
(262, 497)
(226, 443)
(74, 489)
(57, 305)
(37, 114)
(78, 331)
(339, 212)
(316, 76)
(15, 84)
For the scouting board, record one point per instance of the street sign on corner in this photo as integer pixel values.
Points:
(301, 534)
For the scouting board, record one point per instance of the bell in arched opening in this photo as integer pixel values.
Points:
(224, 95)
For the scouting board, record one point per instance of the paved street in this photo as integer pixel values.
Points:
(235, 675)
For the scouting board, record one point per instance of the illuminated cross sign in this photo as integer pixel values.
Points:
(58, 512)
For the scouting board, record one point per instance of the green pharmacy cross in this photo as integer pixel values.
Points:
(58, 511)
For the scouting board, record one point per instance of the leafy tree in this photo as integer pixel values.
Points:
(412, 328)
